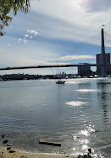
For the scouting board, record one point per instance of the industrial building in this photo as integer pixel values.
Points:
(107, 63)
(84, 69)
(103, 59)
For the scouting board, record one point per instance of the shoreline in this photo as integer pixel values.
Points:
(4, 153)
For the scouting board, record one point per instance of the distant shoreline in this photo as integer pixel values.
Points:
(14, 77)
(30, 79)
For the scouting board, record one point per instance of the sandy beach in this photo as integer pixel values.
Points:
(4, 153)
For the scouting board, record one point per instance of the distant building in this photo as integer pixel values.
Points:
(107, 62)
(84, 69)
(61, 75)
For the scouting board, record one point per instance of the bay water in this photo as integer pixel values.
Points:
(76, 114)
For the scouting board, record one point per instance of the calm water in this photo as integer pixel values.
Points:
(77, 114)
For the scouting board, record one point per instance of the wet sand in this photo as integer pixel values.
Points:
(8, 151)
(4, 153)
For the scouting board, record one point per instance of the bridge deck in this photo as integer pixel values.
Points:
(44, 66)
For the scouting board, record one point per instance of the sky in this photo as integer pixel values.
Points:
(61, 31)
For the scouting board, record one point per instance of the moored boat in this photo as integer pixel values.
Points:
(60, 82)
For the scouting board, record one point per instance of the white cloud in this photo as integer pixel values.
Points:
(26, 35)
(70, 19)
(96, 5)
(22, 40)
(25, 55)
(74, 57)
(35, 33)
(57, 63)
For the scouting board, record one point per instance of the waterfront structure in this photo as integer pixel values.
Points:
(99, 63)
(103, 59)
(84, 69)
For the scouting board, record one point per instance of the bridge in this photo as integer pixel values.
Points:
(46, 66)
(42, 66)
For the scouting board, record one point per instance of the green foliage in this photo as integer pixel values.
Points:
(6, 6)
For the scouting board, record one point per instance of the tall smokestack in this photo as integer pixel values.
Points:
(102, 42)
(103, 57)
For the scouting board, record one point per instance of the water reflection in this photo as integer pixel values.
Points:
(85, 132)
(6, 6)
(86, 90)
(104, 102)
(103, 95)
(76, 103)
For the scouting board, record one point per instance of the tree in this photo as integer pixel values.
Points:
(11, 5)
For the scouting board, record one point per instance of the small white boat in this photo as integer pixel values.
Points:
(60, 82)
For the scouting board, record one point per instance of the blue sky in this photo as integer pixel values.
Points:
(63, 31)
